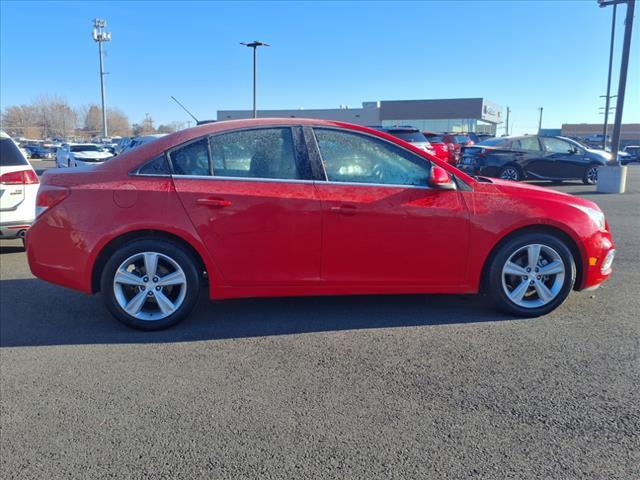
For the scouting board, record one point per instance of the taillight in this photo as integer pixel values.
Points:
(49, 196)
(22, 177)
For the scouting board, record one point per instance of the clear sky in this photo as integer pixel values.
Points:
(550, 54)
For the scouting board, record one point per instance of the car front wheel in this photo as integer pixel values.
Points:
(531, 275)
(591, 175)
(150, 284)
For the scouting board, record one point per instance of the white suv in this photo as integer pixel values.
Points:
(18, 189)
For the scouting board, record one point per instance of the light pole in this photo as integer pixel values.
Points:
(613, 178)
(100, 36)
(608, 95)
(255, 44)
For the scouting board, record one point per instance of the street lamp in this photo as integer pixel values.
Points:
(613, 179)
(255, 44)
(624, 66)
(100, 36)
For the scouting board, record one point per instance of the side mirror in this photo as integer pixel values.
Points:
(440, 179)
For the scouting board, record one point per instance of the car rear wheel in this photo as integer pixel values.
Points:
(150, 284)
(531, 275)
(510, 172)
(591, 174)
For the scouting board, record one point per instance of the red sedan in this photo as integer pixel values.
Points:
(282, 207)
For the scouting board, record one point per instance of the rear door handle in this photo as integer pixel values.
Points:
(344, 209)
(213, 202)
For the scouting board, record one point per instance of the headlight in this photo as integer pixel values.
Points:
(595, 215)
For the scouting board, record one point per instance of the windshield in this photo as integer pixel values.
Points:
(435, 138)
(461, 138)
(86, 148)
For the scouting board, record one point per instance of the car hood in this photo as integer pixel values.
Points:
(91, 155)
(526, 190)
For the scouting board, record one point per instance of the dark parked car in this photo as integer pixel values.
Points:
(36, 151)
(634, 154)
(533, 157)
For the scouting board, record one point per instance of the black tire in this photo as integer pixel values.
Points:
(511, 172)
(175, 252)
(590, 176)
(510, 247)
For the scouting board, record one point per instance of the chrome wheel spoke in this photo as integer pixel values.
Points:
(175, 278)
(543, 274)
(150, 263)
(135, 304)
(514, 269)
(144, 290)
(517, 293)
(128, 278)
(166, 305)
(533, 254)
(543, 292)
(553, 268)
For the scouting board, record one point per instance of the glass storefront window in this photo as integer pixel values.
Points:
(445, 125)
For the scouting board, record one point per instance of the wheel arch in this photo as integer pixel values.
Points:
(539, 228)
(112, 245)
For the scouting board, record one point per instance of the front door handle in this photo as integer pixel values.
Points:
(213, 202)
(344, 209)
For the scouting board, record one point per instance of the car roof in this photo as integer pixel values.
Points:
(130, 159)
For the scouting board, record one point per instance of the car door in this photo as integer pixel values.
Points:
(382, 224)
(251, 198)
(531, 158)
(569, 161)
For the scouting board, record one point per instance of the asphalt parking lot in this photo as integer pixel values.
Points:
(337, 387)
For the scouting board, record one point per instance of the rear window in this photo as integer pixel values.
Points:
(410, 137)
(461, 138)
(435, 138)
(10, 155)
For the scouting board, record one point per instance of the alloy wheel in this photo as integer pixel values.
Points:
(533, 276)
(149, 286)
(592, 175)
(509, 173)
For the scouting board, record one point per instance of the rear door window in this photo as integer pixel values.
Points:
(261, 153)
(526, 143)
(191, 159)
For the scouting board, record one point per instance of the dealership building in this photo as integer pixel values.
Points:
(437, 115)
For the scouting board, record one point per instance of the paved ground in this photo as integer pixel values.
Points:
(367, 387)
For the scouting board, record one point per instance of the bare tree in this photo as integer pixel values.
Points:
(49, 116)
(54, 116)
(118, 122)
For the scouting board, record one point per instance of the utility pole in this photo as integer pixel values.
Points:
(100, 36)
(608, 96)
(622, 85)
(507, 122)
(540, 121)
(255, 44)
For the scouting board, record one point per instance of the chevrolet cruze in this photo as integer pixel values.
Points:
(285, 207)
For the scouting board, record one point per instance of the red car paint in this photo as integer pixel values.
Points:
(279, 238)
(445, 151)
